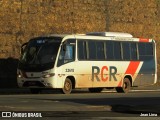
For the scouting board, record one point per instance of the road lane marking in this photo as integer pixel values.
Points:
(157, 90)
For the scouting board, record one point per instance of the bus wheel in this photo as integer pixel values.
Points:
(95, 90)
(67, 89)
(35, 91)
(126, 86)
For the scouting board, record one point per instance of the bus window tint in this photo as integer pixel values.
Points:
(126, 50)
(133, 51)
(69, 54)
(82, 54)
(100, 50)
(141, 48)
(117, 51)
(92, 50)
(149, 49)
(145, 51)
(109, 50)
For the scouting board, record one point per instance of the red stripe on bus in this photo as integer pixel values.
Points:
(132, 68)
(133, 65)
(143, 40)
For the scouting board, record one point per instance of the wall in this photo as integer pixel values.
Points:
(138, 17)
(23, 19)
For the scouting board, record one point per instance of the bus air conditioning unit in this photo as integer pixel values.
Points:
(110, 34)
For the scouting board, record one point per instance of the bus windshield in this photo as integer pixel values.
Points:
(40, 51)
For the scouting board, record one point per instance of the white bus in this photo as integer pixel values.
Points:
(94, 60)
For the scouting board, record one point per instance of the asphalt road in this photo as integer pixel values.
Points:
(85, 104)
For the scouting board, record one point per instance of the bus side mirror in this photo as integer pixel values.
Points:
(23, 47)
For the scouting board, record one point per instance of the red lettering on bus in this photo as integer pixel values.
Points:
(112, 73)
(102, 73)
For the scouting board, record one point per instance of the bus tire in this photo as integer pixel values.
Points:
(67, 88)
(35, 90)
(95, 90)
(125, 87)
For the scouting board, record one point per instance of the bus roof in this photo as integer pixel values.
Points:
(103, 34)
(110, 34)
(117, 36)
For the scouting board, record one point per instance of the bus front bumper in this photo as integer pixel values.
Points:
(36, 83)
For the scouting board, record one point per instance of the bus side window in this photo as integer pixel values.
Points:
(145, 51)
(100, 50)
(67, 52)
(141, 48)
(82, 52)
(133, 51)
(117, 51)
(109, 50)
(126, 50)
(92, 50)
(149, 49)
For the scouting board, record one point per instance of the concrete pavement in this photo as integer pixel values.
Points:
(27, 91)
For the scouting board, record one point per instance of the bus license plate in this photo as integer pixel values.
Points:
(32, 83)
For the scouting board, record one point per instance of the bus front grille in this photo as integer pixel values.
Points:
(33, 83)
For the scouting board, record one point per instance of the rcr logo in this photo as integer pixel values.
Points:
(105, 73)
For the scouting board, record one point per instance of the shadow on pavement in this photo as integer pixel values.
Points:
(126, 105)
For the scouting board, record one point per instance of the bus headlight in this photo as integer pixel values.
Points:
(19, 76)
(48, 75)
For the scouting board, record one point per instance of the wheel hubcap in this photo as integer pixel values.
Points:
(125, 85)
(67, 86)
